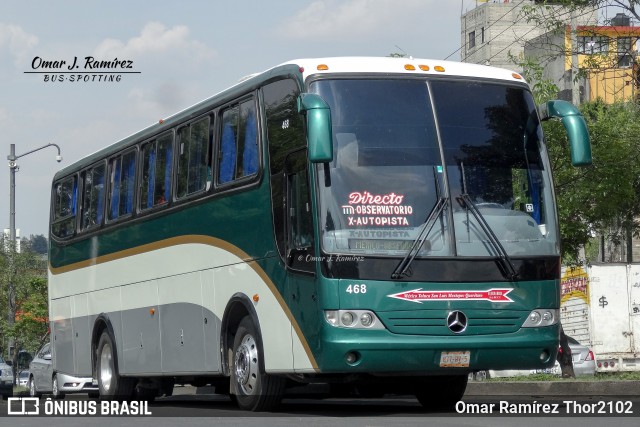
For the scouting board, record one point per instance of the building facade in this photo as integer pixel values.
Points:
(495, 30)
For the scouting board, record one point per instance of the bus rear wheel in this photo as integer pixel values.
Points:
(110, 384)
(441, 392)
(254, 389)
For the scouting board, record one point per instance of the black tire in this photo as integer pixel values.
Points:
(55, 391)
(441, 392)
(33, 391)
(110, 384)
(253, 389)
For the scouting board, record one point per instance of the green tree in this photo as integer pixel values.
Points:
(23, 300)
(604, 196)
(37, 243)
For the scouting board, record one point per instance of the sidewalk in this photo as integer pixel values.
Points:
(553, 388)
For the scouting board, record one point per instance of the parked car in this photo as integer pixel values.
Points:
(43, 379)
(584, 364)
(6, 379)
(23, 378)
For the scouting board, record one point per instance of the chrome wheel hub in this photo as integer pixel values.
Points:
(106, 372)
(246, 365)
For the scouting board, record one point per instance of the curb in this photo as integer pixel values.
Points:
(554, 388)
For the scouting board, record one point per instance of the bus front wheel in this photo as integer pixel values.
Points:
(254, 390)
(111, 385)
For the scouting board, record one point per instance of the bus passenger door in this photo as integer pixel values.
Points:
(301, 292)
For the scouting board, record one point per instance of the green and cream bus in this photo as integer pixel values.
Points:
(383, 225)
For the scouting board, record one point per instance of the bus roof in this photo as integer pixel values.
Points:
(413, 66)
(304, 68)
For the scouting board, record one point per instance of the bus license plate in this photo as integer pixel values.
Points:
(455, 359)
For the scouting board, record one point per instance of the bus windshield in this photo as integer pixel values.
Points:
(403, 146)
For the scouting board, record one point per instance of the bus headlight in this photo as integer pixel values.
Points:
(353, 319)
(542, 317)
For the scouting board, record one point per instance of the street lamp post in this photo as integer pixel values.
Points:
(13, 168)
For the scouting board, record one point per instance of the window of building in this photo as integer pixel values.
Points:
(122, 174)
(472, 39)
(155, 188)
(591, 45)
(238, 156)
(64, 207)
(624, 52)
(92, 197)
(193, 161)
(482, 35)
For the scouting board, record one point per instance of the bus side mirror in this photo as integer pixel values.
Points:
(318, 127)
(575, 126)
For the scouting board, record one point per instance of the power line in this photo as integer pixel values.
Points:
(532, 29)
(489, 26)
(522, 16)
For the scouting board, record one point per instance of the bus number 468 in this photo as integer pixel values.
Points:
(357, 289)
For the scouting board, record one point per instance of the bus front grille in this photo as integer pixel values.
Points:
(434, 322)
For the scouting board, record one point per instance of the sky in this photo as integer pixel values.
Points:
(184, 52)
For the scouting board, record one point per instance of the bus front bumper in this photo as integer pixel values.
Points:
(360, 351)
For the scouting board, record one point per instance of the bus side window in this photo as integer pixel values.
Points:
(155, 188)
(238, 156)
(121, 185)
(193, 142)
(65, 198)
(299, 217)
(93, 197)
(285, 132)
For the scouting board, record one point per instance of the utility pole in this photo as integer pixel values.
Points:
(575, 87)
(13, 168)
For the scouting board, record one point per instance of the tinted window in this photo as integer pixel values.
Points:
(122, 173)
(193, 160)
(285, 133)
(238, 156)
(65, 196)
(155, 188)
(92, 197)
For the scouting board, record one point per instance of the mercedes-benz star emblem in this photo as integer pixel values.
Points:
(457, 322)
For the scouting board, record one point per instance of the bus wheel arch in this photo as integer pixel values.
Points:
(101, 324)
(238, 307)
(104, 356)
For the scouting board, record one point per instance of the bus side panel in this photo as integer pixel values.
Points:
(62, 335)
(274, 325)
(181, 323)
(141, 337)
(211, 324)
(81, 335)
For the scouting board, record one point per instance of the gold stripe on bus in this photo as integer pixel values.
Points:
(203, 240)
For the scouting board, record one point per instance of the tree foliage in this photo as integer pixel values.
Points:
(23, 299)
(606, 195)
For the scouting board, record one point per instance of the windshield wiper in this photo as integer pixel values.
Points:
(505, 260)
(465, 201)
(403, 266)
